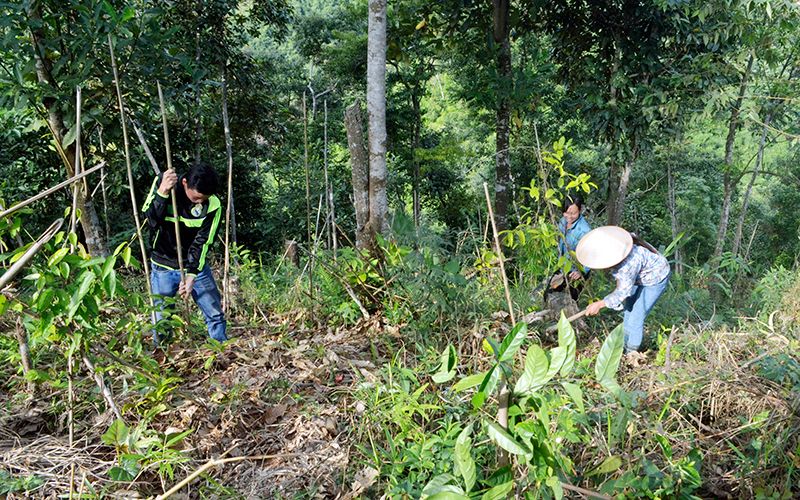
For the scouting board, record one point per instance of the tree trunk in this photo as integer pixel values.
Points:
(92, 228)
(376, 110)
(502, 185)
(728, 177)
(328, 188)
(673, 216)
(618, 180)
(737, 236)
(359, 163)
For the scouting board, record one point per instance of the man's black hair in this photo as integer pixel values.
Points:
(203, 178)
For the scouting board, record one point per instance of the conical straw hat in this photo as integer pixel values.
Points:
(604, 247)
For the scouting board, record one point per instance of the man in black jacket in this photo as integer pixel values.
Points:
(199, 213)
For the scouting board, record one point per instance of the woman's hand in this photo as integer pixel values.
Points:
(574, 275)
(595, 307)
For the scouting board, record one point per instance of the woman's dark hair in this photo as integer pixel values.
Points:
(203, 178)
(574, 199)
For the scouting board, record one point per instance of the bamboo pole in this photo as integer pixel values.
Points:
(499, 255)
(229, 152)
(175, 213)
(72, 218)
(48, 192)
(308, 195)
(134, 204)
(30, 252)
(103, 184)
(145, 147)
(328, 187)
(505, 396)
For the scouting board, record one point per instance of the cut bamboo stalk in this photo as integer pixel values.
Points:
(505, 396)
(29, 253)
(134, 204)
(104, 389)
(48, 192)
(174, 197)
(228, 209)
(308, 194)
(72, 218)
(145, 147)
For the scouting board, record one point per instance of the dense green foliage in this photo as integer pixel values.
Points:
(678, 119)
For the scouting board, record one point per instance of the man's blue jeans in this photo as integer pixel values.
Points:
(636, 308)
(165, 283)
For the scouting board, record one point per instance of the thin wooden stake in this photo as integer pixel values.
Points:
(134, 204)
(104, 389)
(103, 184)
(505, 396)
(72, 218)
(145, 147)
(308, 194)
(70, 402)
(174, 197)
(229, 151)
(328, 187)
(499, 255)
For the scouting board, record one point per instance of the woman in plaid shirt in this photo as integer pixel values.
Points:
(642, 275)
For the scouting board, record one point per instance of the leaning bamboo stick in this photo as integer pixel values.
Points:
(146, 148)
(72, 217)
(505, 395)
(134, 204)
(48, 192)
(229, 151)
(173, 195)
(19, 264)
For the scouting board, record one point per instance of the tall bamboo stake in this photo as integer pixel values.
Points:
(103, 184)
(503, 399)
(308, 195)
(229, 152)
(134, 204)
(174, 197)
(328, 187)
(72, 218)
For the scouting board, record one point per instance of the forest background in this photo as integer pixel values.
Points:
(678, 120)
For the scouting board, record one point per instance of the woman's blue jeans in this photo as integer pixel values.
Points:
(165, 283)
(636, 308)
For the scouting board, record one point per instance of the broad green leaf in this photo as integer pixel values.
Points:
(512, 341)
(108, 266)
(117, 434)
(555, 484)
(469, 382)
(57, 256)
(126, 255)
(489, 382)
(505, 440)
(442, 487)
(447, 369)
(575, 392)
(609, 465)
(87, 280)
(464, 464)
(557, 357)
(566, 339)
(499, 492)
(448, 495)
(535, 375)
(608, 360)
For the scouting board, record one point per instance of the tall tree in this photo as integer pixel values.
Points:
(502, 186)
(376, 110)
